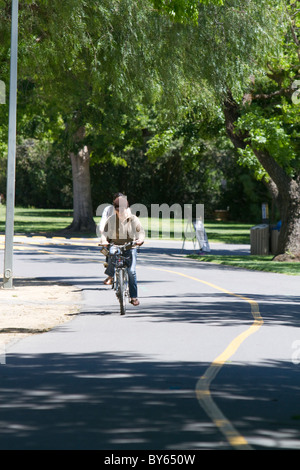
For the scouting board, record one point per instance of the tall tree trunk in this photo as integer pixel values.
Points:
(82, 201)
(289, 238)
(284, 189)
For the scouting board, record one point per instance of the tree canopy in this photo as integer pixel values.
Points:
(88, 68)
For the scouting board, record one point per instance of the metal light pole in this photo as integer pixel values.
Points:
(11, 160)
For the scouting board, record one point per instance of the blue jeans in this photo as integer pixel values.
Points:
(132, 256)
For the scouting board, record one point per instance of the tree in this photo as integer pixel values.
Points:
(91, 67)
(251, 62)
(88, 66)
(265, 127)
(86, 53)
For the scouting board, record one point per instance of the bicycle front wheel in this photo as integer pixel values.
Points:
(123, 285)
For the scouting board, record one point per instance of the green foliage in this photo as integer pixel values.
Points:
(183, 10)
(190, 162)
(230, 43)
(43, 176)
(277, 133)
(272, 120)
(144, 86)
(86, 53)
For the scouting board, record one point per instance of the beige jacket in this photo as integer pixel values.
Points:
(120, 232)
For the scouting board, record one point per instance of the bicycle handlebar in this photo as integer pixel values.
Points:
(127, 245)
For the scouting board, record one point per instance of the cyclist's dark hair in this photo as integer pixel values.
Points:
(118, 195)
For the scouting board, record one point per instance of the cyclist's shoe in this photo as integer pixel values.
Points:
(108, 281)
(135, 302)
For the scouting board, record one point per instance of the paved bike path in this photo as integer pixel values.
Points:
(104, 381)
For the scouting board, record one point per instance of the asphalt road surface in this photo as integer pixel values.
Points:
(209, 360)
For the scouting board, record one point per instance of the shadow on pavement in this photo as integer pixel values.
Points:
(118, 401)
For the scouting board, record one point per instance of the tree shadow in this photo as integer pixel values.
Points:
(123, 401)
(219, 309)
(126, 401)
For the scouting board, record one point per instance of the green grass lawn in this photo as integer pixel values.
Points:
(222, 232)
(257, 263)
(37, 221)
(227, 232)
(43, 221)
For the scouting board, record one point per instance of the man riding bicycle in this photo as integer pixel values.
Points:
(123, 227)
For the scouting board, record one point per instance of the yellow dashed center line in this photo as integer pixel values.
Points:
(202, 388)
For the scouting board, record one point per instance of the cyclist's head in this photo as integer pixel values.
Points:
(116, 195)
(120, 203)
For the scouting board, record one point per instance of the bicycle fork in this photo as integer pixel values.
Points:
(121, 287)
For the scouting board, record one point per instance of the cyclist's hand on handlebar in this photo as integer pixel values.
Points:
(139, 242)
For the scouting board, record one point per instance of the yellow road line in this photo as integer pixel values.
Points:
(42, 240)
(203, 384)
(67, 256)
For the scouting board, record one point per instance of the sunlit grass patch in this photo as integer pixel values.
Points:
(257, 263)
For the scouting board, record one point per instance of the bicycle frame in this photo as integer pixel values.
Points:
(121, 264)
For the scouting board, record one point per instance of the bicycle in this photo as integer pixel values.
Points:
(121, 263)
